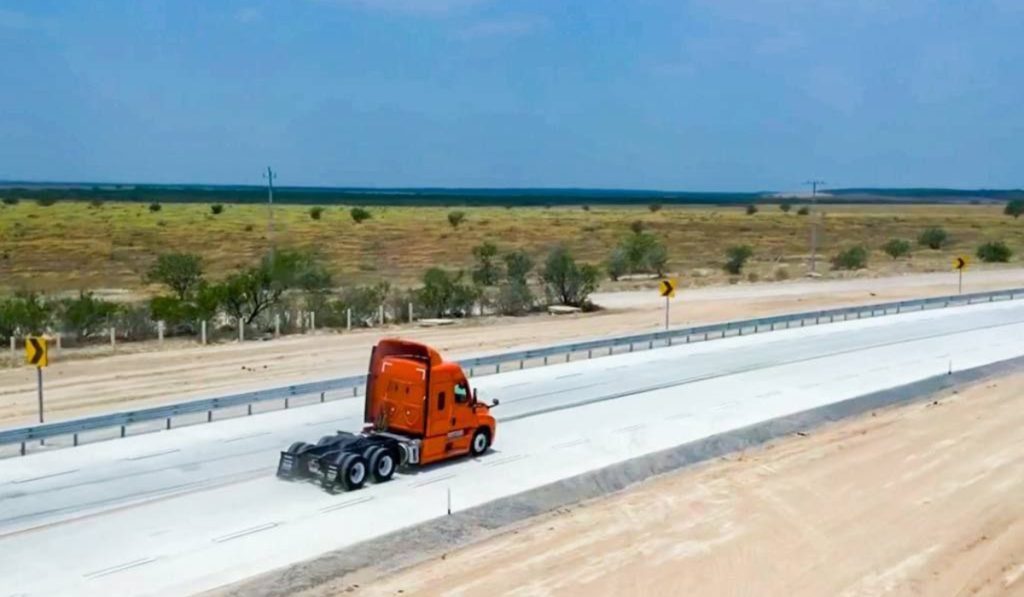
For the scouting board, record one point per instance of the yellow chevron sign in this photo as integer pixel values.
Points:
(35, 352)
(667, 287)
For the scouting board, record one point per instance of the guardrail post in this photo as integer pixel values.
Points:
(74, 440)
(520, 363)
(590, 353)
(286, 400)
(497, 368)
(209, 416)
(168, 423)
(567, 356)
(322, 396)
(471, 371)
(630, 347)
(670, 340)
(22, 448)
(250, 409)
(355, 391)
(122, 430)
(545, 361)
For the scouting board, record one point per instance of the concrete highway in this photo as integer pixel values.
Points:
(190, 509)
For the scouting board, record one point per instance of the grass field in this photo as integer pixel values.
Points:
(73, 245)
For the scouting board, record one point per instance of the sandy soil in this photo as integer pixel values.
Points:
(132, 380)
(926, 499)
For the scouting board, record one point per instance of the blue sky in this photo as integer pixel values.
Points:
(661, 94)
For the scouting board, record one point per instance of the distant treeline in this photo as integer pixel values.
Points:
(160, 193)
(356, 196)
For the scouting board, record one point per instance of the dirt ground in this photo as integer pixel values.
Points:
(132, 380)
(926, 499)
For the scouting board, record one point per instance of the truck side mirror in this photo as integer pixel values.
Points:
(495, 403)
(476, 397)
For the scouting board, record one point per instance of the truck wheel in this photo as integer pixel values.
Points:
(481, 441)
(382, 464)
(353, 472)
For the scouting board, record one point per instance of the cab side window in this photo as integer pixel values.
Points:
(461, 392)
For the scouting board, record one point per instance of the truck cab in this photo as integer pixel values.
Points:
(412, 391)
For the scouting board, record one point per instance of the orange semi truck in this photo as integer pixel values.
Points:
(419, 410)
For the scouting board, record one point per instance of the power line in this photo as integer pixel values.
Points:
(815, 220)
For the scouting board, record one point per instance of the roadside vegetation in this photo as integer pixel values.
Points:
(61, 263)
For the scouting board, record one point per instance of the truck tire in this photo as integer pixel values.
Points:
(481, 441)
(382, 463)
(353, 472)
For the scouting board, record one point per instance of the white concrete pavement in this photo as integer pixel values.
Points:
(191, 509)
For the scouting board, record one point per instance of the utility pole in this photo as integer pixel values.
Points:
(270, 175)
(814, 222)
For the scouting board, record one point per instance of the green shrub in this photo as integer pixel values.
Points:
(10, 200)
(181, 272)
(785, 206)
(934, 238)
(445, 295)
(654, 207)
(155, 207)
(896, 247)
(518, 265)
(994, 252)
(216, 209)
(566, 282)
(456, 217)
(86, 316)
(853, 258)
(360, 214)
(1014, 207)
(736, 258)
(514, 298)
(486, 272)
(25, 313)
(96, 203)
(46, 201)
(316, 212)
(618, 263)
(643, 253)
(803, 211)
(751, 209)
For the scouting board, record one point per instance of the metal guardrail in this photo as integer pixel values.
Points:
(123, 420)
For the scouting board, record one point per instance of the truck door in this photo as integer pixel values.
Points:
(462, 417)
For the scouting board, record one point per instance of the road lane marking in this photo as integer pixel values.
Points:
(436, 480)
(505, 460)
(249, 436)
(41, 477)
(245, 532)
(629, 428)
(153, 455)
(576, 442)
(349, 503)
(118, 568)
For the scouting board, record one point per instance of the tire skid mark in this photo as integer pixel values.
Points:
(347, 504)
(506, 460)
(153, 455)
(119, 568)
(435, 480)
(41, 477)
(245, 532)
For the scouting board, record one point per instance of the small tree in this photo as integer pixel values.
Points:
(486, 272)
(86, 315)
(803, 211)
(654, 207)
(751, 209)
(155, 207)
(618, 263)
(785, 206)
(181, 272)
(565, 281)
(1014, 207)
(994, 252)
(46, 201)
(96, 203)
(216, 209)
(514, 298)
(853, 258)
(934, 238)
(456, 217)
(736, 257)
(896, 247)
(636, 226)
(518, 265)
(10, 200)
(316, 212)
(360, 214)
(445, 294)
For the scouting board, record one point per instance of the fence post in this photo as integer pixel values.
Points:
(312, 321)
(410, 311)
(59, 339)
(113, 338)
(241, 330)
(380, 314)
(202, 332)
(348, 319)
(160, 332)
(14, 353)
(277, 325)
